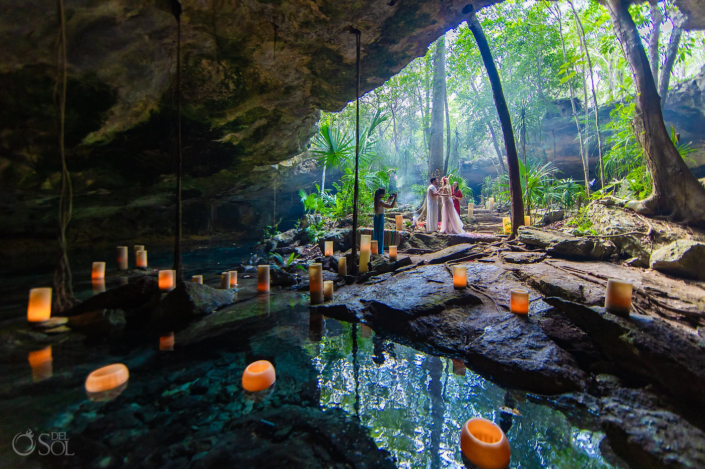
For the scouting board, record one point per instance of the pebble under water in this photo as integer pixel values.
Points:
(341, 390)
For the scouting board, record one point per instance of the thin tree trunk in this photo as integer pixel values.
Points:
(394, 128)
(671, 54)
(435, 160)
(323, 179)
(586, 165)
(522, 136)
(657, 19)
(610, 76)
(583, 43)
(490, 127)
(178, 266)
(357, 150)
(504, 119)
(445, 100)
(676, 192)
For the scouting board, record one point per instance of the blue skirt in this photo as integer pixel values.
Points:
(378, 233)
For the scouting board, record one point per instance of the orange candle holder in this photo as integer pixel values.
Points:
(374, 246)
(342, 266)
(460, 276)
(328, 248)
(98, 286)
(618, 298)
(141, 259)
(485, 444)
(98, 271)
(233, 278)
(166, 280)
(122, 257)
(258, 376)
(41, 362)
(166, 342)
(392, 253)
(315, 283)
(39, 307)
(398, 220)
(519, 301)
(365, 247)
(327, 290)
(197, 279)
(527, 220)
(263, 278)
(224, 280)
(507, 225)
(107, 378)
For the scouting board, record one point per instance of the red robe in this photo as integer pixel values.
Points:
(456, 202)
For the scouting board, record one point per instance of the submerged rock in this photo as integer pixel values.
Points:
(130, 296)
(682, 258)
(192, 300)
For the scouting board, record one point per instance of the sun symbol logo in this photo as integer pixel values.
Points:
(21, 449)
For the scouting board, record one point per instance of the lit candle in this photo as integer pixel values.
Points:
(507, 224)
(490, 204)
(39, 308)
(224, 280)
(485, 444)
(166, 343)
(98, 286)
(197, 279)
(527, 221)
(342, 266)
(141, 259)
(41, 363)
(315, 283)
(263, 278)
(471, 208)
(138, 248)
(519, 301)
(233, 278)
(327, 290)
(98, 270)
(460, 276)
(398, 220)
(618, 299)
(107, 378)
(392, 253)
(328, 248)
(374, 247)
(365, 246)
(122, 257)
(258, 376)
(166, 280)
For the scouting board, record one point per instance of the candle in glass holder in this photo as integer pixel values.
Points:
(315, 283)
(98, 270)
(374, 247)
(527, 220)
(507, 225)
(39, 308)
(139, 247)
(197, 279)
(342, 266)
(107, 378)
(398, 219)
(166, 280)
(328, 248)
(519, 301)
(460, 276)
(98, 285)
(122, 257)
(224, 280)
(141, 259)
(365, 247)
(233, 278)
(327, 290)
(41, 363)
(166, 342)
(618, 299)
(471, 209)
(392, 253)
(263, 278)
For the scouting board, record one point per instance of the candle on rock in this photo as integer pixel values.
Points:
(342, 266)
(460, 276)
(107, 378)
(233, 278)
(41, 363)
(315, 283)
(122, 257)
(166, 342)
(258, 376)
(507, 225)
(618, 299)
(39, 307)
(197, 279)
(263, 278)
(98, 271)
(328, 248)
(374, 247)
(471, 209)
(398, 219)
(485, 444)
(166, 280)
(365, 247)
(224, 280)
(327, 290)
(392, 253)
(519, 301)
(141, 259)
(527, 220)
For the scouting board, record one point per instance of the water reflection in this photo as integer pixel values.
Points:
(166, 343)
(98, 285)
(41, 362)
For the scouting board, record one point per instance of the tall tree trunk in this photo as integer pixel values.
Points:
(586, 166)
(676, 192)
(610, 76)
(435, 160)
(490, 127)
(394, 128)
(522, 136)
(572, 104)
(63, 284)
(323, 179)
(671, 54)
(583, 43)
(657, 19)
(504, 119)
(445, 100)
(356, 190)
(178, 265)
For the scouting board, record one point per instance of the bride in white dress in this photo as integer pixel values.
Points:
(450, 220)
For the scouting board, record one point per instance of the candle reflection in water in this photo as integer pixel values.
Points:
(41, 362)
(98, 285)
(122, 257)
(197, 279)
(315, 327)
(166, 342)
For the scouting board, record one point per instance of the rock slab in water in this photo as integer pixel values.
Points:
(192, 300)
(126, 297)
(563, 245)
(682, 258)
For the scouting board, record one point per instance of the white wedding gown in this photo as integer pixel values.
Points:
(450, 220)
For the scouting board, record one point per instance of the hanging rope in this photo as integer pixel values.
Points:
(178, 267)
(357, 147)
(63, 288)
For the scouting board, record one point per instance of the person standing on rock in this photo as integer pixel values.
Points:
(432, 206)
(457, 196)
(380, 205)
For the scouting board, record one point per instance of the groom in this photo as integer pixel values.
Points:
(432, 206)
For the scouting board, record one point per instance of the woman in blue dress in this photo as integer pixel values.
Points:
(380, 206)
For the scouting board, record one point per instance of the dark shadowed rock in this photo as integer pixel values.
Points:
(523, 257)
(192, 300)
(683, 258)
(126, 297)
(339, 236)
(563, 245)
